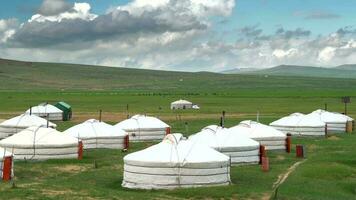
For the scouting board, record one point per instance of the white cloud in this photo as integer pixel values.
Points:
(280, 53)
(79, 11)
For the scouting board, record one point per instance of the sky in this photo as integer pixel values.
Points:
(182, 35)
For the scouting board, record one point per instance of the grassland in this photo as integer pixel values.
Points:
(329, 171)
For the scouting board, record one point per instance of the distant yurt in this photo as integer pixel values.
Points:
(336, 122)
(175, 163)
(6, 165)
(300, 124)
(181, 104)
(241, 149)
(267, 136)
(41, 143)
(67, 110)
(21, 122)
(96, 134)
(143, 128)
(47, 111)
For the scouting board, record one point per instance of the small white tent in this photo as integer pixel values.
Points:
(143, 128)
(6, 164)
(21, 122)
(267, 136)
(174, 163)
(181, 104)
(96, 134)
(40, 143)
(47, 111)
(241, 149)
(335, 122)
(300, 124)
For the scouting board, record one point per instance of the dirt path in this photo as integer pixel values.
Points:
(283, 177)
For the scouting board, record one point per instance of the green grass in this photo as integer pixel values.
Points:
(328, 173)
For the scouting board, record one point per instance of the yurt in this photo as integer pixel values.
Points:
(41, 143)
(336, 122)
(143, 128)
(6, 165)
(267, 136)
(47, 111)
(96, 134)
(241, 149)
(21, 122)
(300, 124)
(181, 104)
(175, 163)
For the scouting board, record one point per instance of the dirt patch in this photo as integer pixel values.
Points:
(49, 192)
(280, 157)
(333, 137)
(72, 168)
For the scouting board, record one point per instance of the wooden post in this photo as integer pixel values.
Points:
(300, 151)
(288, 142)
(265, 164)
(100, 113)
(126, 142)
(349, 126)
(80, 150)
(7, 168)
(262, 153)
(168, 130)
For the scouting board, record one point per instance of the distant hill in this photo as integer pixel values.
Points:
(344, 71)
(347, 67)
(31, 76)
(238, 70)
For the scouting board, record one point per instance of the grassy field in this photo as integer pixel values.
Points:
(329, 171)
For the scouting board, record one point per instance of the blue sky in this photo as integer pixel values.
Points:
(215, 37)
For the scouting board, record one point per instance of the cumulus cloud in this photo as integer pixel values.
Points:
(7, 29)
(53, 7)
(166, 34)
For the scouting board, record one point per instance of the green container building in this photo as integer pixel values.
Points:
(67, 110)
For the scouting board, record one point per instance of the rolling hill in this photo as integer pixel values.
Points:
(29, 76)
(343, 71)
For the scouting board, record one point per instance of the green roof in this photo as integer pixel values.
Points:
(64, 104)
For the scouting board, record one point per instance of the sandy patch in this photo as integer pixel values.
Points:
(333, 137)
(280, 157)
(71, 168)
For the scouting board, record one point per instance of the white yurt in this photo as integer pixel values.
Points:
(21, 122)
(181, 104)
(97, 134)
(174, 163)
(267, 136)
(300, 124)
(41, 143)
(6, 164)
(47, 111)
(241, 149)
(143, 128)
(336, 122)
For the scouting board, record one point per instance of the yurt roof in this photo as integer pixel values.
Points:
(328, 117)
(4, 153)
(94, 128)
(26, 120)
(175, 151)
(299, 120)
(218, 137)
(254, 129)
(39, 137)
(141, 122)
(182, 101)
(44, 108)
